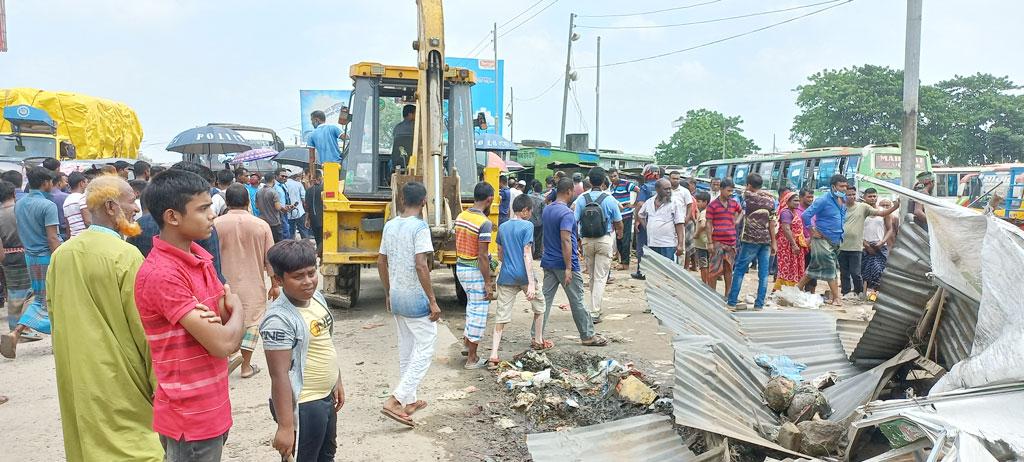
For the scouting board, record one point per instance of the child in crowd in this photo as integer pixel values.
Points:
(700, 238)
(174, 286)
(515, 244)
(297, 330)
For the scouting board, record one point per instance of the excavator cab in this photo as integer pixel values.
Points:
(373, 153)
(358, 195)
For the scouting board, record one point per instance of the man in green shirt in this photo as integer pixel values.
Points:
(851, 251)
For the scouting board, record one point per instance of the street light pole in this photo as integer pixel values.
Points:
(911, 87)
(597, 102)
(497, 87)
(565, 90)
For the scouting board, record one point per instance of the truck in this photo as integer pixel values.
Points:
(38, 124)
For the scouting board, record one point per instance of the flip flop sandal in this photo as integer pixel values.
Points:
(234, 363)
(596, 340)
(397, 418)
(28, 337)
(480, 364)
(545, 345)
(418, 405)
(255, 370)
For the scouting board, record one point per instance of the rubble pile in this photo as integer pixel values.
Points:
(558, 391)
(801, 408)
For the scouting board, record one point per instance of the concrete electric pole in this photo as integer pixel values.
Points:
(597, 103)
(497, 88)
(569, 74)
(911, 87)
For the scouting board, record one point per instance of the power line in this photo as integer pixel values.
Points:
(534, 15)
(708, 21)
(724, 39)
(556, 82)
(520, 14)
(481, 42)
(648, 12)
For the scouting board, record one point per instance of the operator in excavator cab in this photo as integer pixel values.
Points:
(401, 147)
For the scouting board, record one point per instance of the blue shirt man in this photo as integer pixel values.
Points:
(325, 139)
(35, 212)
(557, 217)
(829, 215)
(609, 205)
(504, 207)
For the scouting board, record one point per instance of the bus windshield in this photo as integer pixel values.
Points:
(29, 146)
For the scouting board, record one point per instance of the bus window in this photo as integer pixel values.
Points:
(946, 184)
(719, 172)
(795, 173)
(703, 172)
(826, 168)
(852, 164)
(739, 174)
(765, 171)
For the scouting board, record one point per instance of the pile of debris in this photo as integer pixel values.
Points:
(558, 391)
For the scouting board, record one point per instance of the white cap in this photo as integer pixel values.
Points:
(522, 182)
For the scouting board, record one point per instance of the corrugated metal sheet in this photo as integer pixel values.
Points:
(901, 301)
(956, 330)
(850, 332)
(643, 438)
(808, 337)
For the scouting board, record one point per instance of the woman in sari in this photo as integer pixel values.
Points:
(791, 243)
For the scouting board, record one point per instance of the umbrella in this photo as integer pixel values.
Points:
(208, 140)
(494, 160)
(254, 154)
(493, 142)
(298, 157)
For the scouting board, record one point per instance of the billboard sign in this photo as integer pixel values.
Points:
(490, 78)
(329, 101)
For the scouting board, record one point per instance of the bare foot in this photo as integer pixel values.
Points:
(412, 408)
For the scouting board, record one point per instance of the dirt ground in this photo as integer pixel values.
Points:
(460, 429)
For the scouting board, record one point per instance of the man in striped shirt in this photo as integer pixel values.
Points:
(623, 191)
(75, 211)
(473, 268)
(191, 408)
(722, 215)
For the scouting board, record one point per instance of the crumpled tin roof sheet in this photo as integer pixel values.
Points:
(956, 330)
(901, 299)
(808, 337)
(648, 437)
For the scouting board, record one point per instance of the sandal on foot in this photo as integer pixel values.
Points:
(235, 362)
(541, 346)
(596, 340)
(493, 364)
(255, 370)
(418, 405)
(407, 421)
(479, 364)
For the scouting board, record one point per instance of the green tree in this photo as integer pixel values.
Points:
(964, 120)
(701, 136)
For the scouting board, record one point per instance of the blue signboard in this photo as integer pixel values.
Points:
(329, 101)
(489, 79)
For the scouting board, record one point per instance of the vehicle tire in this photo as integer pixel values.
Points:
(347, 282)
(460, 293)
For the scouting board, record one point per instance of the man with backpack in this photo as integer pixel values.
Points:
(597, 213)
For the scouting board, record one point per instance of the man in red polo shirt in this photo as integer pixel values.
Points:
(722, 215)
(191, 409)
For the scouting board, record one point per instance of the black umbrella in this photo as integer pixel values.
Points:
(298, 157)
(208, 140)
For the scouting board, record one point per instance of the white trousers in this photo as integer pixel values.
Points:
(416, 339)
(598, 253)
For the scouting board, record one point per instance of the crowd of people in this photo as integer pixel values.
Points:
(165, 277)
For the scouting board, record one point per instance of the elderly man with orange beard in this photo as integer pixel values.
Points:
(105, 379)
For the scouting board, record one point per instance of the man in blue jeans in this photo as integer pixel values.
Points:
(757, 240)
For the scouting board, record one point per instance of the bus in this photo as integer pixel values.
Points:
(812, 168)
(953, 184)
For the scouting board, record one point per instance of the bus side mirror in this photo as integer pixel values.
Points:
(67, 150)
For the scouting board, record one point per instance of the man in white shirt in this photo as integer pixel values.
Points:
(663, 218)
(513, 193)
(75, 211)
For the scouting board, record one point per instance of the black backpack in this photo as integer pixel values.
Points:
(593, 223)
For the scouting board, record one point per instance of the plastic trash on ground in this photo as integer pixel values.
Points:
(781, 365)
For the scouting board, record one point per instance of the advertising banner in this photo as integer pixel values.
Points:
(489, 79)
(329, 101)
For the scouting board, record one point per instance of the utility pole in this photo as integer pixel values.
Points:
(497, 87)
(597, 103)
(911, 86)
(512, 114)
(568, 74)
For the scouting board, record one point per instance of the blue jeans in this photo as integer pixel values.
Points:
(667, 252)
(298, 224)
(747, 253)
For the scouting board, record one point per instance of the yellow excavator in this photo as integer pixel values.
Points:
(441, 154)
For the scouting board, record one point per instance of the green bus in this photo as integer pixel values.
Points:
(812, 168)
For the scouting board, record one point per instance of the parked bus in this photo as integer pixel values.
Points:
(953, 184)
(812, 168)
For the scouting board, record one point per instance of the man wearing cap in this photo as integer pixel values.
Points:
(925, 184)
(513, 193)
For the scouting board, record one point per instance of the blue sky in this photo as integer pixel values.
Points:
(185, 63)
